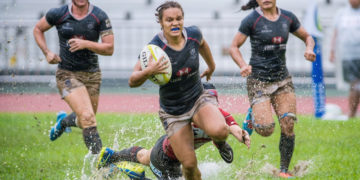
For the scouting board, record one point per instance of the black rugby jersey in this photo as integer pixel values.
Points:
(268, 43)
(184, 88)
(89, 28)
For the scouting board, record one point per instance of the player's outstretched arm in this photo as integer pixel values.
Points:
(241, 135)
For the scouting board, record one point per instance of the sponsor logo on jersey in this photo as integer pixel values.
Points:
(90, 26)
(67, 26)
(273, 47)
(266, 29)
(277, 40)
(285, 26)
(193, 53)
(79, 37)
(183, 72)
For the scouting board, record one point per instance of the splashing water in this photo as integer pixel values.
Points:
(116, 142)
(212, 169)
(300, 169)
(270, 169)
(142, 139)
(110, 172)
(89, 166)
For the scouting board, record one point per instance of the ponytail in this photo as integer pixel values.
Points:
(252, 4)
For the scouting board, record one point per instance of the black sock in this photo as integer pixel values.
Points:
(69, 120)
(219, 144)
(92, 139)
(286, 147)
(126, 155)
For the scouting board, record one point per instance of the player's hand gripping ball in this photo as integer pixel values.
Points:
(156, 53)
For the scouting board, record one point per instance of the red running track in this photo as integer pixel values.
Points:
(137, 103)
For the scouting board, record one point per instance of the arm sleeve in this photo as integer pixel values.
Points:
(105, 23)
(52, 16)
(295, 25)
(245, 26)
(230, 121)
(195, 32)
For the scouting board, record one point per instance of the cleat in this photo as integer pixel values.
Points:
(57, 129)
(286, 175)
(225, 151)
(247, 124)
(68, 129)
(104, 157)
(134, 171)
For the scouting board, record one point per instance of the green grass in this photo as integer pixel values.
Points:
(332, 147)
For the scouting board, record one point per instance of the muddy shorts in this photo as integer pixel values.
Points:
(259, 91)
(173, 123)
(351, 70)
(162, 165)
(68, 80)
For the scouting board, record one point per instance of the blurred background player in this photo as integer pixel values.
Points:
(161, 158)
(269, 82)
(346, 47)
(78, 77)
(183, 99)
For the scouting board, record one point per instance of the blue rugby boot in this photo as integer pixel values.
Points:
(247, 124)
(133, 171)
(57, 129)
(104, 157)
(67, 129)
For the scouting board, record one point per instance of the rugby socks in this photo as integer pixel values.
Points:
(92, 139)
(219, 144)
(286, 147)
(69, 120)
(126, 155)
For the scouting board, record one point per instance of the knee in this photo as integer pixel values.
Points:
(189, 165)
(86, 119)
(287, 126)
(265, 129)
(221, 133)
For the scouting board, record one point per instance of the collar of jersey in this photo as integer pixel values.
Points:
(91, 7)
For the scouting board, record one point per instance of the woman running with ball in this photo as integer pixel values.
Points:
(183, 99)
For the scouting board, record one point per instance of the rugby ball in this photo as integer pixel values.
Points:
(156, 52)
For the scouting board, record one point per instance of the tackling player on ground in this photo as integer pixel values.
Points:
(161, 158)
